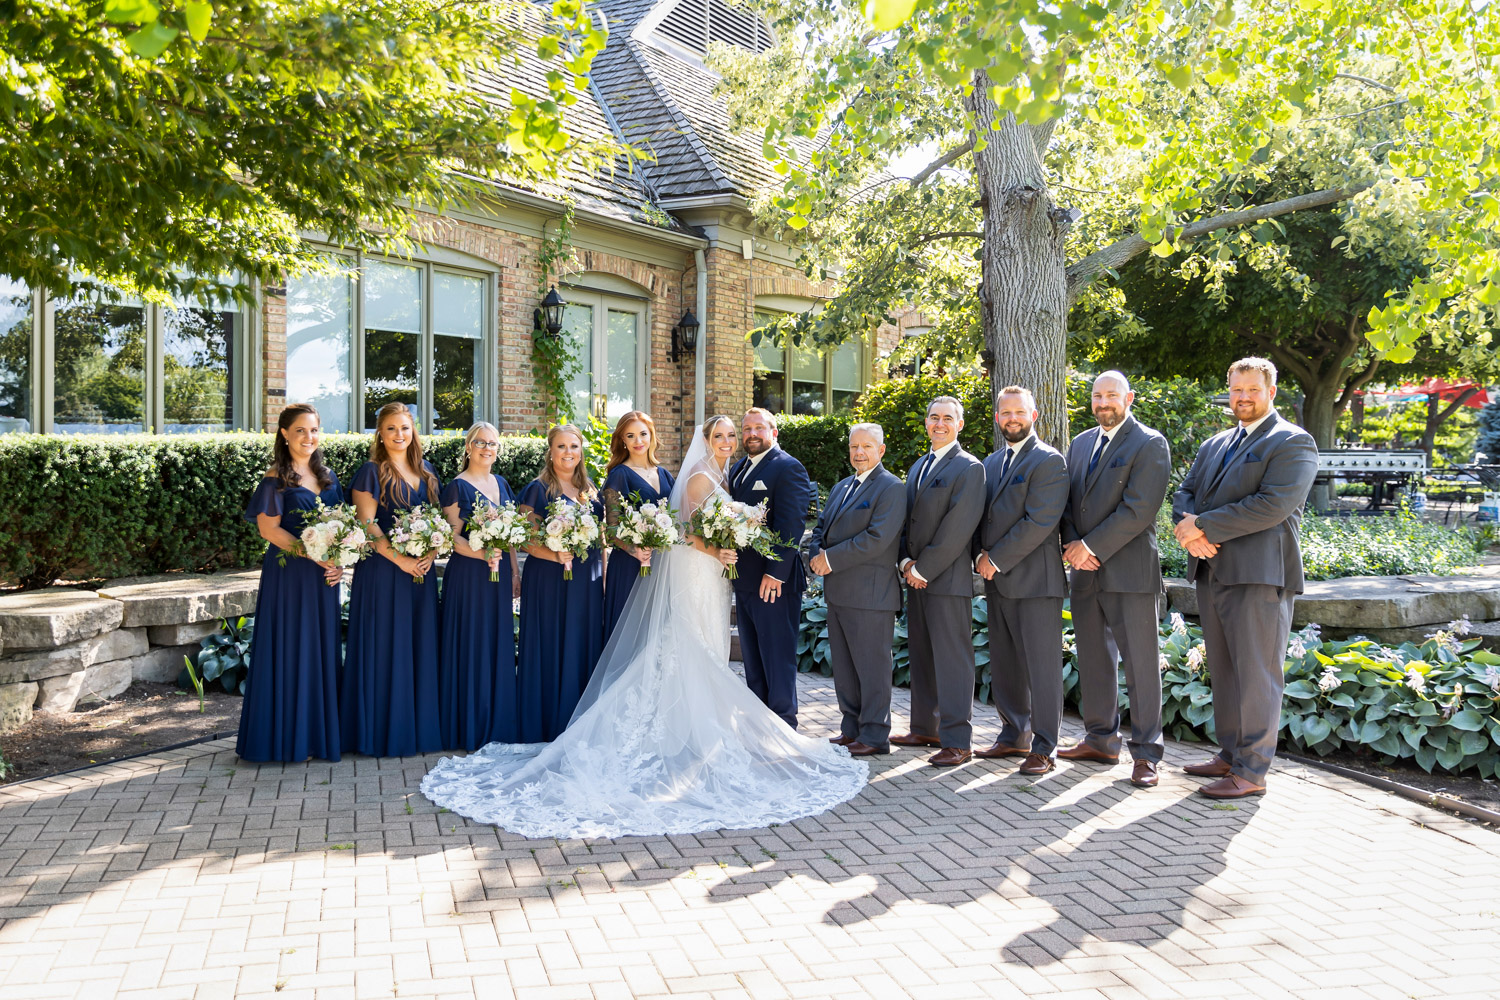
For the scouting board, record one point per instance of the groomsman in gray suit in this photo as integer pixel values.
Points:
(854, 549)
(1020, 557)
(944, 500)
(1238, 513)
(1119, 472)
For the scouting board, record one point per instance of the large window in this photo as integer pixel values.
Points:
(110, 364)
(797, 381)
(15, 356)
(605, 333)
(390, 331)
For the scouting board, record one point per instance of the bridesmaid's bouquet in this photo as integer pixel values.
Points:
(646, 525)
(729, 524)
(570, 528)
(334, 535)
(421, 531)
(492, 528)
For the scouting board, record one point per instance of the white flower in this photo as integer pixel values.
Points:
(649, 510)
(1492, 678)
(1163, 663)
(417, 524)
(1196, 656)
(1415, 680)
(1179, 624)
(1295, 649)
(1460, 626)
(556, 528)
(1329, 680)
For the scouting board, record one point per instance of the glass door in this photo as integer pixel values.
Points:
(606, 340)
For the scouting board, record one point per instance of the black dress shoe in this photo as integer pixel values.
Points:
(858, 749)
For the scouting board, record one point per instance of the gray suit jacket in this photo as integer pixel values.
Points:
(1114, 511)
(1252, 508)
(862, 541)
(940, 522)
(1021, 521)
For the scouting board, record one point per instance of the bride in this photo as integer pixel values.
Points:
(666, 739)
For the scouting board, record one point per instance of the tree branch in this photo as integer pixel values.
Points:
(1355, 384)
(1081, 273)
(1462, 398)
(934, 237)
(1366, 81)
(955, 153)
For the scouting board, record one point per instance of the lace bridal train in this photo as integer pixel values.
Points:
(666, 739)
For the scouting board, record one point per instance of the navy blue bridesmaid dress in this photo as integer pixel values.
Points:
(388, 694)
(291, 700)
(562, 632)
(625, 569)
(477, 675)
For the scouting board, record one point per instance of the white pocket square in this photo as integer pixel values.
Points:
(760, 484)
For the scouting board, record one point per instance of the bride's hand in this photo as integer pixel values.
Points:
(727, 556)
(642, 556)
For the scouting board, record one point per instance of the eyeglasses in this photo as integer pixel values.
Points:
(487, 445)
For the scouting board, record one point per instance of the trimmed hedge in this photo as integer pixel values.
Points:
(1437, 703)
(94, 507)
(899, 406)
(819, 443)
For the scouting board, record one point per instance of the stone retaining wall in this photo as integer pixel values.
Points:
(65, 647)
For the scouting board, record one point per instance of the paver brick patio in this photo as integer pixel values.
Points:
(187, 874)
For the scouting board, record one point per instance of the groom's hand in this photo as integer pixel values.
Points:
(770, 588)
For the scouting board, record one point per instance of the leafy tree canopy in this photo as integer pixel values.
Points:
(1160, 120)
(156, 146)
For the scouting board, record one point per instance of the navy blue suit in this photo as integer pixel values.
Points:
(768, 631)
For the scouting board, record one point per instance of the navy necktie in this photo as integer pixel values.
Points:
(838, 508)
(926, 467)
(1094, 461)
(1233, 447)
(739, 480)
(1010, 453)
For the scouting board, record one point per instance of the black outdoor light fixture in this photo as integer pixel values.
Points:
(684, 336)
(548, 318)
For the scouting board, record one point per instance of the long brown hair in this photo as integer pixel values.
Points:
(281, 453)
(548, 475)
(619, 454)
(386, 472)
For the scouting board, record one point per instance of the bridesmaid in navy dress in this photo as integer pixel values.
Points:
(632, 469)
(562, 621)
(477, 679)
(388, 695)
(291, 701)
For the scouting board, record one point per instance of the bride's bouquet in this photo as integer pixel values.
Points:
(729, 524)
(333, 535)
(646, 525)
(492, 528)
(421, 531)
(570, 528)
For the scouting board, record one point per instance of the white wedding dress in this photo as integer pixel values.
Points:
(666, 740)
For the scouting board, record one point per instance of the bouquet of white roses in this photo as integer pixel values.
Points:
(334, 535)
(492, 528)
(570, 528)
(645, 525)
(421, 531)
(729, 524)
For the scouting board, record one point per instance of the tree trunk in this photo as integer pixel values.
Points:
(1023, 294)
(1319, 418)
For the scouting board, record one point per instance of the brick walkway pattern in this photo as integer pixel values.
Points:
(189, 874)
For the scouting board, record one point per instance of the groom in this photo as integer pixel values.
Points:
(768, 592)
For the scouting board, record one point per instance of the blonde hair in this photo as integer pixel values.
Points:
(1253, 364)
(386, 472)
(711, 423)
(548, 476)
(618, 453)
(470, 435)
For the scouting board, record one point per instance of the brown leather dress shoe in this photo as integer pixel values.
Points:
(1231, 787)
(1214, 767)
(1036, 763)
(1085, 752)
(1001, 750)
(858, 749)
(949, 757)
(1143, 774)
(916, 740)
(841, 741)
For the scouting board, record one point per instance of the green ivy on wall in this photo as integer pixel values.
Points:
(552, 359)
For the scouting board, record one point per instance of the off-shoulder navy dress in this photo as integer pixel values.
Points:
(625, 569)
(291, 700)
(388, 694)
(562, 632)
(477, 669)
